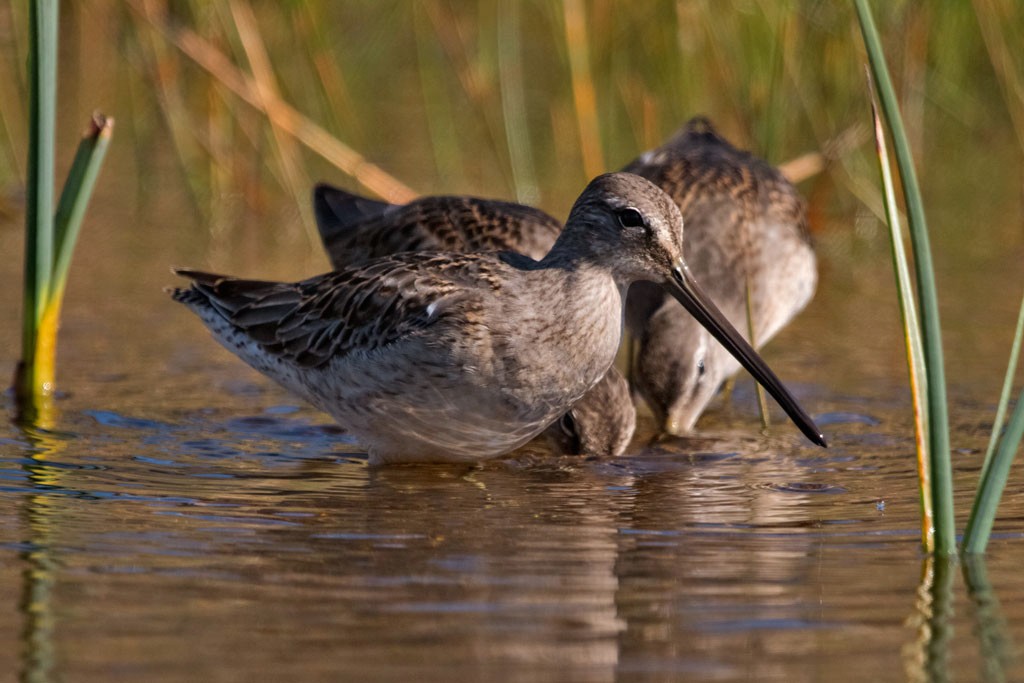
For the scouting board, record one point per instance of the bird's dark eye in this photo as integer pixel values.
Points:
(700, 368)
(630, 218)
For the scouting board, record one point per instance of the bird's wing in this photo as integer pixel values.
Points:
(357, 310)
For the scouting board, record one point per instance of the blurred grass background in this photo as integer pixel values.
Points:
(514, 99)
(525, 99)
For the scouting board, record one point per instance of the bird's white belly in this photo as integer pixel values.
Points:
(438, 409)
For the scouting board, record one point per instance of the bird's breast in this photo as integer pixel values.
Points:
(560, 344)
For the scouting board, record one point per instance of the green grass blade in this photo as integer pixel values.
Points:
(911, 332)
(938, 416)
(574, 15)
(42, 66)
(990, 489)
(1004, 396)
(513, 101)
(75, 197)
(999, 456)
(762, 400)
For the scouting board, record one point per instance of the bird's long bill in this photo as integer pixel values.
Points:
(685, 289)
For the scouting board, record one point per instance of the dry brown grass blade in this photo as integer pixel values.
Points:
(336, 90)
(992, 16)
(266, 85)
(808, 165)
(583, 87)
(481, 92)
(172, 103)
(805, 166)
(313, 136)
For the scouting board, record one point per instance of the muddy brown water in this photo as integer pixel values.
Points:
(187, 520)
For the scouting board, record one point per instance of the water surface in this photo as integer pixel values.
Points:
(187, 520)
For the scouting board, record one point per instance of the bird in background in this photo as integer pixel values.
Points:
(747, 242)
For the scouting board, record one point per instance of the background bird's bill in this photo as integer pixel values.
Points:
(684, 288)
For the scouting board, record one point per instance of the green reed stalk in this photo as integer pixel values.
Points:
(33, 377)
(990, 489)
(74, 199)
(911, 332)
(999, 457)
(49, 240)
(938, 416)
(1004, 395)
(994, 643)
(762, 399)
(574, 15)
(513, 101)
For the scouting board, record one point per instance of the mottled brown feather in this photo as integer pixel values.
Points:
(355, 229)
(342, 312)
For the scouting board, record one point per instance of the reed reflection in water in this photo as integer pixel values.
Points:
(729, 560)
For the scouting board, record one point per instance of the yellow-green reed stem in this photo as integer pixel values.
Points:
(999, 456)
(993, 480)
(34, 378)
(994, 643)
(938, 417)
(911, 331)
(34, 405)
(74, 199)
(49, 239)
(1004, 395)
(762, 400)
(513, 102)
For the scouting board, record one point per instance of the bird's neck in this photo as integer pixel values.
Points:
(573, 250)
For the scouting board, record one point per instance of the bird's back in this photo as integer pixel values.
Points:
(745, 228)
(355, 229)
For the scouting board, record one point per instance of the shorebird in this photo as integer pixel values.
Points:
(748, 245)
(356, 230)
(746, 241)
(461, 357)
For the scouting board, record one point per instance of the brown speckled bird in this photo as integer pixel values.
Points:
(438, 356)
(746, 232)
(355, 230)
